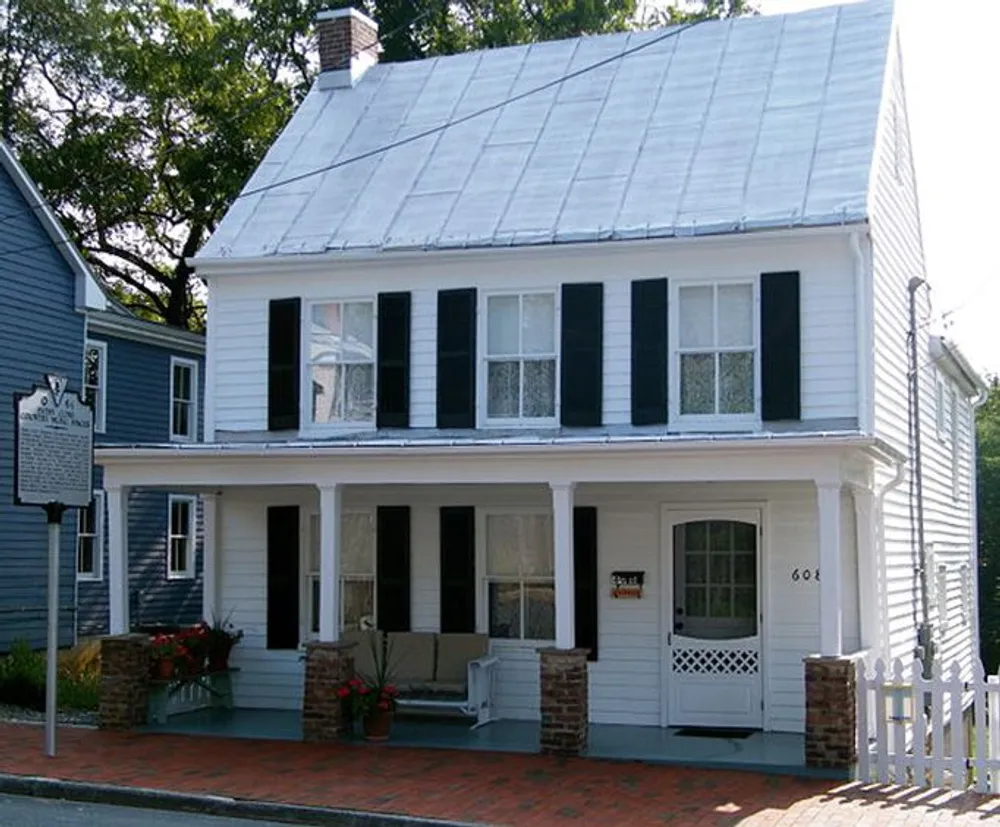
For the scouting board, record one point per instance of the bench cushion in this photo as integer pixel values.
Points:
(411, 658)
(364, 659)
(454, 653)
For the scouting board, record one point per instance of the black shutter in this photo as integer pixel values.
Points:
(585, 577)
(456, 358)
(393, 353)
(392, 567)
(283, 577)
(283, 328)
(780, 347)
(649, 352)
(581, 381)
(458, 569)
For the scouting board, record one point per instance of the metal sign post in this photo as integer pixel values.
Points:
(53, 468)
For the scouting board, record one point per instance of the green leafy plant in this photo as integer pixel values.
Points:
(22, 677)
(376, 692)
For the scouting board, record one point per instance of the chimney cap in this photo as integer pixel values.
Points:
(336, 14)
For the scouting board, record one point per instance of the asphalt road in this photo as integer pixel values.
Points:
(18, 811)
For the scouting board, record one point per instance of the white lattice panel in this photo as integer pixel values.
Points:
(716, 661)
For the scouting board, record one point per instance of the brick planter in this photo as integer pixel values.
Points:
(565, 702)
(328, 666)
(831, 712)
(124, 697)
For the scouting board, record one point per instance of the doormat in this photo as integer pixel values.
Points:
(730, 733)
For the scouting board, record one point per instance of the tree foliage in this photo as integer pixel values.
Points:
(141, 119)
(988, 499)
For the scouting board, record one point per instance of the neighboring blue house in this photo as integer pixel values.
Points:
(146, 384)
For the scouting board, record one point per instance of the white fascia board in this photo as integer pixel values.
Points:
(129, 327)
(952, 361)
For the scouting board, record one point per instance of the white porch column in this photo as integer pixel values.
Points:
(117, 502)
(210, 556)
(831, 607)
(562, 538)
(868, 585)
(329, 562)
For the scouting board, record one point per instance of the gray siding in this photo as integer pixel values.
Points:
(40, 332)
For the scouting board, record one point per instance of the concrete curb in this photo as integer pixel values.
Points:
(92, 793)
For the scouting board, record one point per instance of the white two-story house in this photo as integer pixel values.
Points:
(491, 333)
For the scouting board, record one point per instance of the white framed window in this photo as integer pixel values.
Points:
(95, 381)
(519, 582)
(966, 603)
(181, 536)
(90, 539)
(340, 343)
(183, 399)
(715, 375)
(357, 572)
(519, 383)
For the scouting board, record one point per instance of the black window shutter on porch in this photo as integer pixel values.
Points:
(585, 576)
(392, 567)
(780, 347)
(393, 353)
(283, 577)
(649, 352)
(458, 569)
(456, 358)
(581, 381)
(283, 348)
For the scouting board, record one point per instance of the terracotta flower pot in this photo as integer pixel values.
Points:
(165, 668)
(377, 725)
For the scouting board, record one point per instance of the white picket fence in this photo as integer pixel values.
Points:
(918, 732)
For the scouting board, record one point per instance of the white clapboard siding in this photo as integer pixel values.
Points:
(909, 743)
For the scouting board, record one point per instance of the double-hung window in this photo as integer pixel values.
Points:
(181, 537)
(342, 362)
(95, 381)
(90, 538)
(357, 571)
(521, 358)
(717, 363)
(183, 399)
(520, 586)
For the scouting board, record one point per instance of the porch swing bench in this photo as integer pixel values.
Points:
(435, 673)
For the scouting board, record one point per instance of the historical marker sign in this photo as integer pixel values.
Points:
(54, 446)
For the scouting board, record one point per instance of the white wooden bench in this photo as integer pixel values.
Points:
(189, 694)
(448, 673)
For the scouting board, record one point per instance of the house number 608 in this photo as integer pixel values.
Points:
(804, 574)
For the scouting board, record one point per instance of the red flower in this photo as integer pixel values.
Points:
(363, 690)
(343, 692)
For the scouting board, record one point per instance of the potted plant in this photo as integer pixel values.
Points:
(163, 652)
(193, 648)
(372, 699)
(220, 636)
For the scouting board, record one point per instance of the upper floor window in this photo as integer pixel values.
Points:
(95, 381)
(717, 364)
(342, 362)
(521, 358)
(520, 584)
(183, 399)
(89, 538)
(181, 537)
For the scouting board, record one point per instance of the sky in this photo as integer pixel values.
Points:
(948, 61)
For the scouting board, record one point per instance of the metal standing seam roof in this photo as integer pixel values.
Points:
(749, 123)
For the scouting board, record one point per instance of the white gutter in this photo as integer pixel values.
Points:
(865, 324)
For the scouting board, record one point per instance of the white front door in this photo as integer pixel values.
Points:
(713, 619)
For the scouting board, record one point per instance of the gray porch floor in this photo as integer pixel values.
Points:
(775, 752)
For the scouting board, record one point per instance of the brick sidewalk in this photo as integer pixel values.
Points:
(495, 788)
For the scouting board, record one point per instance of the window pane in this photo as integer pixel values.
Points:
(744, 537)
(720, 601)
(696, 317)
(179, 517)
(745, 603)
(502, 323)
(695, 536)
(503, 545)
(314, 543)
(695, 568)
(93, 367)
(358, 537)
(505, 610)
(325, 338)
(736, 315)
(540, 388)
(745, 568)
(720, 568)
(540, 611)
(698, 383)
(359, 393)
(182, 382)
(359, 604)
(85, 519)
(696, 606)
(327, 396)
(178, 555)
(85, 556)
(314, 605)
(736, 383)
(181, 427)
(359, 331)
(539, 326)
(536, 544)
(720, 535)
(503, 390)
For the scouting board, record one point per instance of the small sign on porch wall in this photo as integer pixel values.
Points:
(627, 584)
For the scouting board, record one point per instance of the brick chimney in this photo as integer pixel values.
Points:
(348, 46)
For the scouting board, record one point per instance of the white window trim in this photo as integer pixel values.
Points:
(189, 572)
(98, 573)
(709, 422)
(482, 378)
(101, 410)
(305, 369)
(483, 580)
(192, 365)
